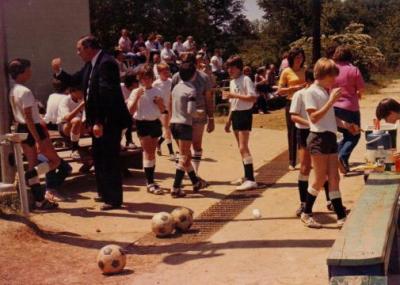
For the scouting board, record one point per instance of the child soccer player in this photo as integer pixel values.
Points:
(69, 118)
(26, 114)
(321, 141)
(242, 97)
(130, 83)
(183, 112)
(146, 105)
(299, 117)
(164, 83)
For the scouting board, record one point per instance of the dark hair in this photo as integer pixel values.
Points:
(343, 53)
(187, 71)
(90, 41)
(179, 37)
(117, 51)
(295, 52)
(130, 79)
(59, 86)
(189, 57)
(75, 88)
(18, 66)
(261, 70)
(385, 107)
(330, 50)
(235, 61)
(146, 71)
(310, 74)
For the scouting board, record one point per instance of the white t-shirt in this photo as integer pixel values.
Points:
(165, 88)
(298, 107)
(125, 44)
(177, 46)
(52, 107)
(147, 110)
(315, 98)
(188, 46)
(216, 63)
(243, 86)
(20, 98)
(167, 55)
(67, 105)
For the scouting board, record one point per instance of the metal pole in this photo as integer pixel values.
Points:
(316, 12)
(7, 170)
(21, 175)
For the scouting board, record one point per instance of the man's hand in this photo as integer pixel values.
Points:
(210, 125)
(98, 130)
(335, 95)
(140, 92)
(159, 102)
(56, 65)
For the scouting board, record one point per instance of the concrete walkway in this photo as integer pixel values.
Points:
(275, 249)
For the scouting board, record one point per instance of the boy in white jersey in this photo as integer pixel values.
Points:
(69, 118)
(299, 117)
(164, 83)
(321, 142)
(146, 105)
(242, 97)
(26, 114)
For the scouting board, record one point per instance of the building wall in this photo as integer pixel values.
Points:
(40, 30)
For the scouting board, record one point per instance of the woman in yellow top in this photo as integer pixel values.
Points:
(291, 80)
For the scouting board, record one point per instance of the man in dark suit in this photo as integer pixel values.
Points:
(106, 114)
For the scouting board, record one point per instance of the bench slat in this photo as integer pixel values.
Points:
(369, 229)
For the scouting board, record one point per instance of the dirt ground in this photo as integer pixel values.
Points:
(61, 247)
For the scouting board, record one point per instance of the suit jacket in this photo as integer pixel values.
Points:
(105, 103)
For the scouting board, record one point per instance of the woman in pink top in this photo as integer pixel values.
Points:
(347, 107)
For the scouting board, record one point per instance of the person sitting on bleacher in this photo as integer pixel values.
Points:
(52, 104)
(70, 114)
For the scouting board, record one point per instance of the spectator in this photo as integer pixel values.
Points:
(291, 80)
(139, 43)
(159, 42)
(125, 43)
(128, 85)
(120, 59)
(178, 47)
(284, 62)
(261, 85)
(151, 44)
(167, 55)
(189, 44)
(347, 107)
(156, 60)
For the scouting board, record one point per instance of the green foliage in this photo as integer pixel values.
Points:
(217, 23)
(367, 56)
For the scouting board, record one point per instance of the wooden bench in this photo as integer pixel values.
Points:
(359, 280)
(368, 241)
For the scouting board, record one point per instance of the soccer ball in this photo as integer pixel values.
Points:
(162, 224)
(183, 218)
(111, 259)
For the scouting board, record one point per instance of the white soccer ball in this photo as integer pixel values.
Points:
(256, 213)
(111, 259)
(183, 218)
(162, 224)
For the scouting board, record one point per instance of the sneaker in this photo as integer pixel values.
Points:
(300, 209)
(247, 185)
(154, 189)
(159, 153)
(75, 155)
(53, 195)
(238, 181)
(341, 222)
(291, 168)
(177, 193)
(329, 206)
(343, 166)
(46, 205)
(309, 221)
(201, 184)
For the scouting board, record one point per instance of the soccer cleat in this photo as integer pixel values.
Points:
(300, 210)
(53, 195)
(247, 185)
(177, 193)
(309, 221)
(46, 205)
(154, 189)
(238, 181)
(201, 184)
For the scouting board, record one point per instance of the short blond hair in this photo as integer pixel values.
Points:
(325, 67)
(162, 66)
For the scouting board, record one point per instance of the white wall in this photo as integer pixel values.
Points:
(40, 30)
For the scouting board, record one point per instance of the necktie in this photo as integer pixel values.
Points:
(90, 76)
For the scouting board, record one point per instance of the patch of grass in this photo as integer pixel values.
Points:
(274, 120)
(379, 81)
